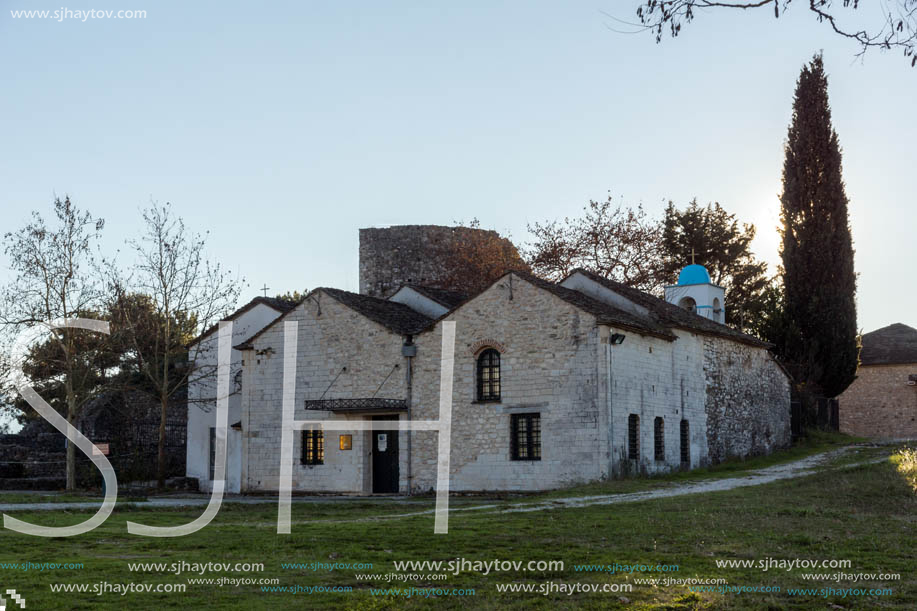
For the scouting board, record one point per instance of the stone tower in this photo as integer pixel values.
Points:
(412, 254)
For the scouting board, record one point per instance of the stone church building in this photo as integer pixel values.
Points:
(554, 383)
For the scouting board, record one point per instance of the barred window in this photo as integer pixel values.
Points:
(489, 375)
(525, 436)
(659, 438)
(685, 442)
(633, 434)
(213, 451)
(313, 448)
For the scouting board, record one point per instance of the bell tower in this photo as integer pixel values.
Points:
(696, 293)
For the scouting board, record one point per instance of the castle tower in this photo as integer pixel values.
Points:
(696, 293)
(417, 254)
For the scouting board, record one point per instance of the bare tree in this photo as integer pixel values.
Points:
(894, 24)
(183, 293)
(615, 241)
(475, 258)
(56, 278)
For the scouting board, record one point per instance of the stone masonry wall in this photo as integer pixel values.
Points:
(407, 254)
(327, 342)
(879, 403)
(747, 401)
(548, 365)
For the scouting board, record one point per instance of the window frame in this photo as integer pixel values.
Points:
(685, 435)
(659, 439)
(531, 449)
(495, 379)
(213, 452)
(633, 437)
(313, 452)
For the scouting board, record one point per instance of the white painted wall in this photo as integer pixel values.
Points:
(419, 303)
(202, 403)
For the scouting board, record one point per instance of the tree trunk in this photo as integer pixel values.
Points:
(71, 450)
(161, 464)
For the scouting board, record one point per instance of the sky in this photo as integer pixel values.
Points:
(282, 128)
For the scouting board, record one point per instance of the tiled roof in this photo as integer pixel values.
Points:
(891, 345)
(396, 317)
(281, 305)
(444, 297)
(669, 314)
(604, 313)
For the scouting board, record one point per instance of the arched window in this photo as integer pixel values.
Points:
(717, 310)
(659, 438)
(688, 304)
(633, 433)
(489, 375)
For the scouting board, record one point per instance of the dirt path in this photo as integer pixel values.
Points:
(798, 468)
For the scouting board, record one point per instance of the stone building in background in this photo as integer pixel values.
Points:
(882, 401)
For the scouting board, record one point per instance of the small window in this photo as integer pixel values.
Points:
(659, 438)
(525, 436)
(633, 431)
(489, 375)
(313, 448)
(213, 451)
(685, 443)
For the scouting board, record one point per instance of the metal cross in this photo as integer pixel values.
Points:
(265, 289)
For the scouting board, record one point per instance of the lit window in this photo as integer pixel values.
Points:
(313, 448)
(525, 436)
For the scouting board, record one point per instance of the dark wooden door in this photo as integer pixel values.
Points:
(385, 458)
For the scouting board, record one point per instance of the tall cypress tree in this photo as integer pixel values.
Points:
(817, 249)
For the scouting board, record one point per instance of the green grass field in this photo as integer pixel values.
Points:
(866, 514)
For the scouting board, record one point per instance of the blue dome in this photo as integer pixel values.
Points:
(694, 274)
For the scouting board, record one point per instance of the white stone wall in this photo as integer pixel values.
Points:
(653, 377)
(338, 337)
(202, 401)
(548, 365)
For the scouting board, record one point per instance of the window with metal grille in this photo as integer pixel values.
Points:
(489, 375)
(213, 451)
(525, 436)
(313, 448)
(685, 442)
(659, 438)
(633, 434)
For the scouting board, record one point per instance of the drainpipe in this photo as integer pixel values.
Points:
(605, 336)
(409, 351)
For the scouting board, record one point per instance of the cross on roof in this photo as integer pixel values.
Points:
(265, 289)
(692, 256)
